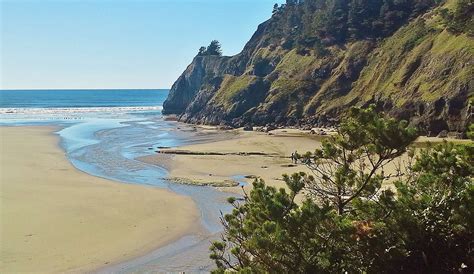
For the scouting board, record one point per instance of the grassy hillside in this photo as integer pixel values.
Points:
(311, 61)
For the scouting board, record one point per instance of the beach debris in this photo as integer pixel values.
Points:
(456, 135)
(170, 118)
(320, 132)
(225, 127)
(201, 182)
(215, 153)
(248, 128)
(443, 134)
(270, 127)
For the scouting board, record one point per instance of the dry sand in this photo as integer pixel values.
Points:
(215, 168)
(54, 218)
(278, 146)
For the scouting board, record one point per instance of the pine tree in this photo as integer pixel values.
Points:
(202, 51)
(348, 223)
(214, 48)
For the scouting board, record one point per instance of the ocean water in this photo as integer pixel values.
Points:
(66, 105)
(102, 133)
(82, 98)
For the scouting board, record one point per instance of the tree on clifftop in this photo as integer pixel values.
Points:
(275, 8)
(214, 48)
(202, 51)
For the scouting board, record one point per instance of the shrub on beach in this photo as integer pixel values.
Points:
(348, 221)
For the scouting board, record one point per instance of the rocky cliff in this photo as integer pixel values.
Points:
(313, 60)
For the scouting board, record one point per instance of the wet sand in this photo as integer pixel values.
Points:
(246, 154)
(54, 218)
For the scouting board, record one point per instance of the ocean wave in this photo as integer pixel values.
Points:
(77, 110)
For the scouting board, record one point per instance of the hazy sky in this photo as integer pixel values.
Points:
(115, 43)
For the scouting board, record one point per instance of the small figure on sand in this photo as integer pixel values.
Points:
(294, 157)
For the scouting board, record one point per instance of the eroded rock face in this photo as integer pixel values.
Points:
(200, 72)
(421, 73)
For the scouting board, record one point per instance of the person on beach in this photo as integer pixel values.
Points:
(294, 157)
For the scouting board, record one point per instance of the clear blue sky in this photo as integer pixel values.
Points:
(115, 43)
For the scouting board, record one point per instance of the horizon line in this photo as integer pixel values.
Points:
(41, 89)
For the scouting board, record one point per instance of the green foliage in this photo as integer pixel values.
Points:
(398, 70)
(214, 48)
(275, 8)
(231, 87)
(202, 51)
(461, 19)
(433, 214)
(338, 21)
(470, 132)
(350, 165)
(426, 226)
(271, 233)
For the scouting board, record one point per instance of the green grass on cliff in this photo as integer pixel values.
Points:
(419, 62)
(447, 47)
(265, 53)
(294, 64)
(285, 85)
(285, 88)
(231, 86)
(382, 72)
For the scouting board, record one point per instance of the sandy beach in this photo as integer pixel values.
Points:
(252, 154)
(246, 154)
(54, 218)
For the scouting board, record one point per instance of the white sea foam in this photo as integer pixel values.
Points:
(14, 115)
(77, 110)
